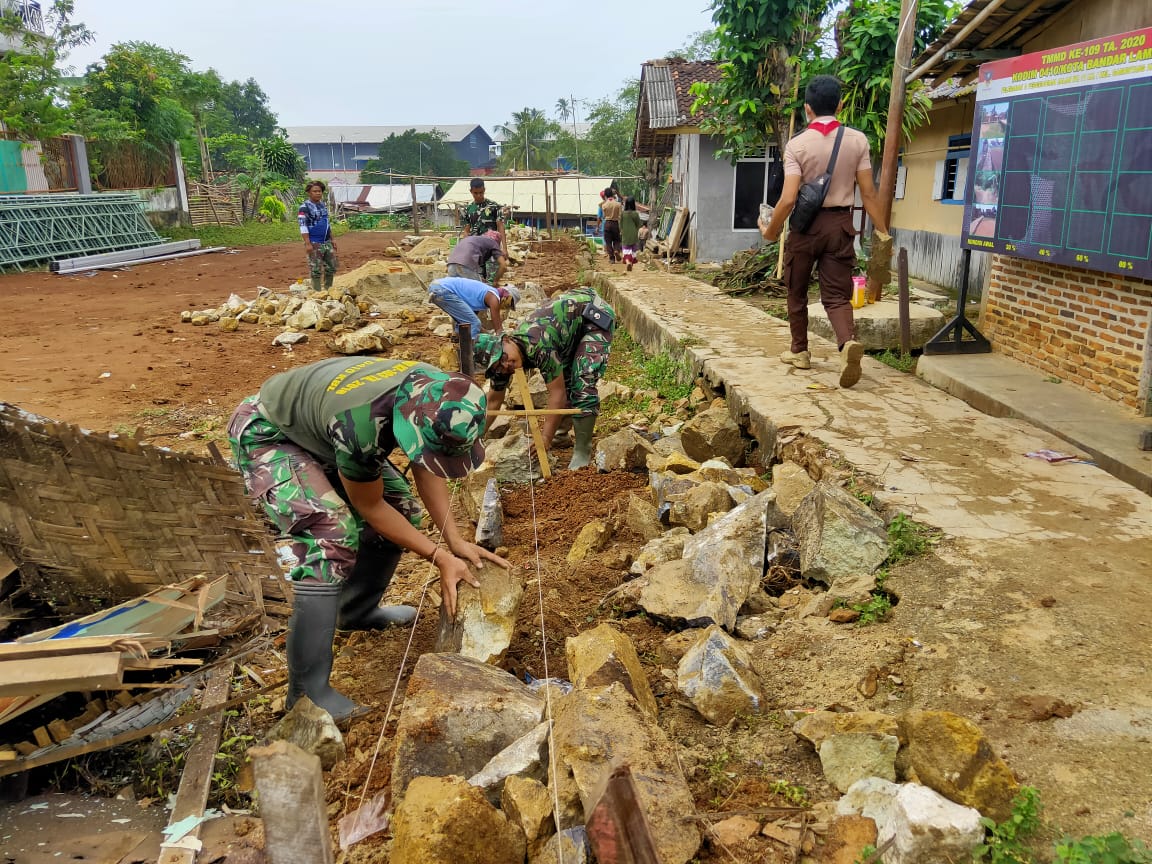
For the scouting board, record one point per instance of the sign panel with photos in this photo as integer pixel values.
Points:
(1062, 156)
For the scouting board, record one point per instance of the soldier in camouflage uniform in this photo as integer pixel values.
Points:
(568, 341)
(480, 217)
(314, 447)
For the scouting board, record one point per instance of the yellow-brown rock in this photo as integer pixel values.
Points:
(819, 725)
(443, 820)
(602, 655)
(951, 755)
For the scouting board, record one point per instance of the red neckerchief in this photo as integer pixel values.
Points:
(824, 128)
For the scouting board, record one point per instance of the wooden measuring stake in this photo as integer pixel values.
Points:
(533, 425)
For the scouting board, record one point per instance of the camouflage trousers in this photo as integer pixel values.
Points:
(584, 371)
(322, 259)
(304, 499)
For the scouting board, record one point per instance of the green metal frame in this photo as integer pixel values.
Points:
(38, 228)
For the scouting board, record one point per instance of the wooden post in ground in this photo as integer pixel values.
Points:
(533, 426)
(547, 210)
(893, 132)
(196, 777)
(291, 788)
(618, 830)
(905, 322)
(415, 210)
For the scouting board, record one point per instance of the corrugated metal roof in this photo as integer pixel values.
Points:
(1009, 25)
(574, 195)
(382, 196)
(373, 134)
(951, 89)
(666, 103)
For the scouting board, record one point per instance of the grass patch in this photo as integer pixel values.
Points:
(665, 373)
(907, 538)
(899, 362)
(248, 234)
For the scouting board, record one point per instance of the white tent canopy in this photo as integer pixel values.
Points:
(575, 196)
(383, 197)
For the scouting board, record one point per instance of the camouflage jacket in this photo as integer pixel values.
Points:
(549, 336)
(479, 218)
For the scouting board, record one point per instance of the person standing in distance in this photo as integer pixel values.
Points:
(828, 242)
(316, 229)
(480, 217)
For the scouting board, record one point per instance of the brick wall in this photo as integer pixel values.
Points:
(1081, 326)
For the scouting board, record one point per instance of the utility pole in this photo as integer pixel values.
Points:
(893, 134)
(575, 131)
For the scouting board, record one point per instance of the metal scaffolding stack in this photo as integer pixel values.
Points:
(38, 228)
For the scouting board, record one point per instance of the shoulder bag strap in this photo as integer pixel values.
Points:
(835, 152)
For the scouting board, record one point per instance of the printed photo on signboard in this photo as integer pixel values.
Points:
(994, 120)
(983, 222)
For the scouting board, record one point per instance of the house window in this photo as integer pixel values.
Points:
(952, 172)
(749, 191)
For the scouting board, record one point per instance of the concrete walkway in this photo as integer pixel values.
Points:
(1045, 583)
(1093, 425)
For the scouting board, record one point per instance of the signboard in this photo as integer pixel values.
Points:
(1061, 162)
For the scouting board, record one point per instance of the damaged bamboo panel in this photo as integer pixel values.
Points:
(91, 519)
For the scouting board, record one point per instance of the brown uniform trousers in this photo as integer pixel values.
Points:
(828, 245)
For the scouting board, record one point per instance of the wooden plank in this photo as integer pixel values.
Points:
(64, 753)
(137, 645)
(196, 778)
(617, 827)
(38, 676)
(526, 397)
(534, 412)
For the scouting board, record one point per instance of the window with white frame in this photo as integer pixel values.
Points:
(749, 189)
(952, 171)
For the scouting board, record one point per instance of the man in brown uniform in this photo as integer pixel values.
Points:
(827, 242)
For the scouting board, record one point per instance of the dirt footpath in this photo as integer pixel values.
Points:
(63, 333)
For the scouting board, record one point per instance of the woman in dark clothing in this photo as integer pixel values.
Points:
(629, 231)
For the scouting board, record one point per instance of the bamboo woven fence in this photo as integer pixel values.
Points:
(93, 519)
(214, 204)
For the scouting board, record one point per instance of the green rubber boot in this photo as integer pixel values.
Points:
(311, 630)
(582, 451)
(315, 283)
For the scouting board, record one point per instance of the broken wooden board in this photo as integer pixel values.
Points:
(537, 437)
(35, 676)
(192, 794)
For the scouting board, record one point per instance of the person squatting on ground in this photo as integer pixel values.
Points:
(317, 232)
(313, 446)
(613, 209)
(629, 232)
(482, 216)
(472, 254)
(462, 298)
(828, 241)
(568, 341)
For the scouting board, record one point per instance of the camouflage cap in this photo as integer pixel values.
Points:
(487, 351)
(437, 421)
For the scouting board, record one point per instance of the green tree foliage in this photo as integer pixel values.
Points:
(866, 33)
(140, 85)
(240, 108)
(529, 140)
(412, 152)
(30, 78)
(703, 45)
(760, 43)
(606, 148)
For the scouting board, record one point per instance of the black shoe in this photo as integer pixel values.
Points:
(310, 633)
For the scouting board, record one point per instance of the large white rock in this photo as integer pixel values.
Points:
(306, 316)
(525, 757)
(926, 825)
(722, 566)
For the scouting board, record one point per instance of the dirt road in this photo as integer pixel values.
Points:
(63, 333)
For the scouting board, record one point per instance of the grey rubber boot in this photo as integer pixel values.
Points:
(582, 451)
(315, 283)
(360, 607)
(310, 633)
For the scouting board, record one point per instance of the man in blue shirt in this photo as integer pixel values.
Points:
(317, 233)
(462, 298)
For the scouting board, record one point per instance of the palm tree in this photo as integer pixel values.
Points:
(525, 137)
(563, 109)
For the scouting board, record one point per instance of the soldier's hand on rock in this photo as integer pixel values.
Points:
(453, 571)
(474, 554)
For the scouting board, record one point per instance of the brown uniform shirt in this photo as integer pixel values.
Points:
(806, 156)
(612, 210)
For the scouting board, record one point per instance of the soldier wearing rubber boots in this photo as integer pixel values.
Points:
(568, 341)
(314, 446)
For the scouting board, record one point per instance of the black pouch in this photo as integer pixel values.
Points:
(810, 198)
(600, 314)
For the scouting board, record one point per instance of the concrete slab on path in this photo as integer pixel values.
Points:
(1002, 387)
(1042, 585)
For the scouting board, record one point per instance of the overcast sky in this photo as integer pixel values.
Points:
(419, 61)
